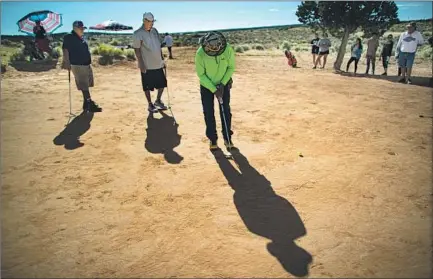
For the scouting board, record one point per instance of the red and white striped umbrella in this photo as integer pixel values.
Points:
(49, 20)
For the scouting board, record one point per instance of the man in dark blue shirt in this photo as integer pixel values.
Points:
(76, 58)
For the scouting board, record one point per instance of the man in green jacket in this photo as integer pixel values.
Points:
(215, 64)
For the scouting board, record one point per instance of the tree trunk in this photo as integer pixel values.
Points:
(342, 50)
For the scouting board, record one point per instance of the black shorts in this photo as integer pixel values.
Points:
(153, 79)
(315, 50)
(324, 52)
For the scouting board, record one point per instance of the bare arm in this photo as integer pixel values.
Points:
(136, 44)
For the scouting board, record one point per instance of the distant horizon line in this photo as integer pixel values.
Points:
(204, 31)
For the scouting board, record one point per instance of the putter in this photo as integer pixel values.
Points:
(229, 154)
(70, 99)
(168, 97)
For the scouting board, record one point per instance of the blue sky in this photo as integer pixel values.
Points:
(178, 16)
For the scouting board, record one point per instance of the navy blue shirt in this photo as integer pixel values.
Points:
(79, 53)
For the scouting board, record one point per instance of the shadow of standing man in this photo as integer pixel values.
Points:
(266, 214)
(162, 137)
(70, 136)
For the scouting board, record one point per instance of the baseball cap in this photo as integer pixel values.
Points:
(78, 24)
(148, 16)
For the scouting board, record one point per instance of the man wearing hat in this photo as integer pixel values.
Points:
(76, 58)
(215, 65)
(147, 46)
(406, 48)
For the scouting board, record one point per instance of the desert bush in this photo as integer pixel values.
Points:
(239, 49)
(18, 56)
(115, 42)
(258, 47)
(245, 47)
(130, 54)
(105, 60)
(426, 52)
(285, 45)
(297, 49)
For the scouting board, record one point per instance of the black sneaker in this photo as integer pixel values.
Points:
(160, 105)
(91, 106)
(152, 108)
(384, 74)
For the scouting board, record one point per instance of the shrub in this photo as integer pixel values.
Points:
(18, 56)
(297, 49)
(130, 54)
(258, 47)
(239, 49)
(115, 43)
(246, 47)
(426, 53)
(285, 45)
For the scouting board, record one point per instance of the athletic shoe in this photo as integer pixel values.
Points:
(384, 74)
(152, 108)
(402, 80)
(160, 105)
(213, 145)
(409, 81)
(90, 106)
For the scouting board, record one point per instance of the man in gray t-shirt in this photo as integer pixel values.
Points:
(147, 46)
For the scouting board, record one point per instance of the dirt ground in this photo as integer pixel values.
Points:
(136, 196)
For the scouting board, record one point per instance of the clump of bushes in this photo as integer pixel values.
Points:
(109, 53)
(258, 47)
(130, 54)
(285, 45)
(239, 49)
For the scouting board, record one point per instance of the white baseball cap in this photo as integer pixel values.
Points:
(148, 16)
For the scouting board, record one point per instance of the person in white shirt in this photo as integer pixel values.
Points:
(168, 41)
(405, 52)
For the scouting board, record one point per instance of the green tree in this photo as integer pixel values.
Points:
(343, 18)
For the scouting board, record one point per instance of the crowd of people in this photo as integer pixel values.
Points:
(406, 48)
(215, 65)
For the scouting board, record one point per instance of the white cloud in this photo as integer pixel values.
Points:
(408, 5)
(273, 10)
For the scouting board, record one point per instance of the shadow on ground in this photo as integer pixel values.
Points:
(266, 214)
(70, 136)
(35, 65)
(420, 81)
(163, 137)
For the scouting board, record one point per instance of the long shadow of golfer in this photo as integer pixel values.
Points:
(266, 214)
(70, 136)
(162, 137)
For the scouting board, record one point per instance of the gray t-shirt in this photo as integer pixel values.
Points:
(149, 44)
(324, 44)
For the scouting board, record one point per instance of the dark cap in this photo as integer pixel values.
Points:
(78, 24)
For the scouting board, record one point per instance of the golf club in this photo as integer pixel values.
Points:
(168, 97)
(70, 99)
(229, 154)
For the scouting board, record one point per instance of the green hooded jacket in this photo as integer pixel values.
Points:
(214, 70)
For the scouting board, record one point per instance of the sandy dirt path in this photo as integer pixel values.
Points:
(357, 204)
